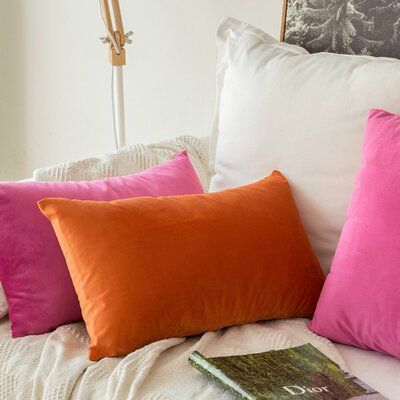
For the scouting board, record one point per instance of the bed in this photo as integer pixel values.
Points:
(56, 366)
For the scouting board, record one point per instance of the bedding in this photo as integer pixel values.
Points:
(3, 303)
(181, 265)
(380, 371)
(281, 108)
(130, 160)
(55, 366)
(33, 271)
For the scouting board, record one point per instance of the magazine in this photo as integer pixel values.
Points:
(297, 373)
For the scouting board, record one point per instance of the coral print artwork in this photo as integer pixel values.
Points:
(369, 27)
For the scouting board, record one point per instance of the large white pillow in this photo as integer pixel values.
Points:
(279, 107)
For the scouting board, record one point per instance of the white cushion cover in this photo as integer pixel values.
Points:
(279, 107)
(378, 370)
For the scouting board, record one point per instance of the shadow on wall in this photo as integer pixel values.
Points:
(12, 96)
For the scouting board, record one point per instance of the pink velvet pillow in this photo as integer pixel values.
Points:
(33, 271)
(360, 301)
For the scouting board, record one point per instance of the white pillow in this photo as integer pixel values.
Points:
(279, 107)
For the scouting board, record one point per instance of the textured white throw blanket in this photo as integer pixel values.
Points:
(129, 160)
(3, 303)
(55, 366)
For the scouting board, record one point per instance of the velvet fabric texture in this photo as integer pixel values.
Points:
(360, 302)
(33, 271)
(146, 269)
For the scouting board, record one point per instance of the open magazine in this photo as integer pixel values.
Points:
(297, 373)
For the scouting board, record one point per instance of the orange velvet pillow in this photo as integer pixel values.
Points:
(147, 268)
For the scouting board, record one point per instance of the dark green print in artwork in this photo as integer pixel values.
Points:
(302, 373)
(369, 27)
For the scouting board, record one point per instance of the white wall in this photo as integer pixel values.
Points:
(55, 76)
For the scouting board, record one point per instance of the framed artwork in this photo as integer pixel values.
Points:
(370, 27)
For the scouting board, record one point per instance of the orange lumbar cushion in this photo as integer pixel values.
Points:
(146, 269)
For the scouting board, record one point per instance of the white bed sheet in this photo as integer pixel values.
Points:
(380, 371)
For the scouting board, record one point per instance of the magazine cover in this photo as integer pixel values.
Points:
(298, 373)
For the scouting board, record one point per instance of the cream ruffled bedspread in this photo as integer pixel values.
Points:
(55, 366)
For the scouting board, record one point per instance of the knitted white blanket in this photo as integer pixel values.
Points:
(55, 366)
(129, 160)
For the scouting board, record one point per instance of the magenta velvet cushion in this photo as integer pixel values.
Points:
(33, 270)
(360, 301)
